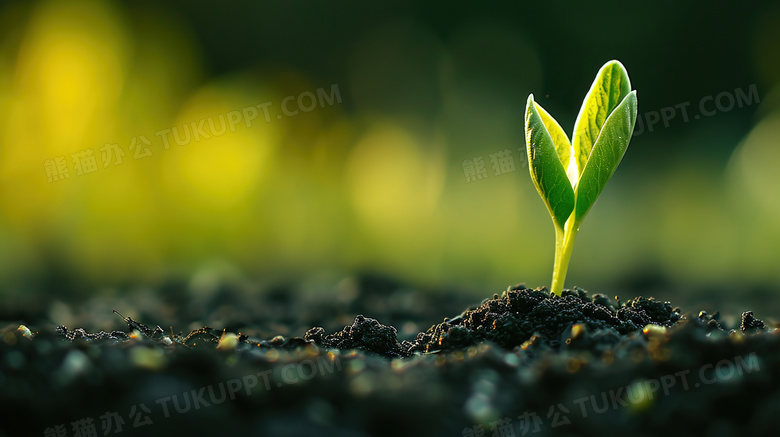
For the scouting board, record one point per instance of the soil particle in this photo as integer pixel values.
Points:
(750, 324)
(204, 337)
(81, 334)
(364, 334)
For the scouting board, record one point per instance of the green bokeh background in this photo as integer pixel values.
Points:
(375, 180)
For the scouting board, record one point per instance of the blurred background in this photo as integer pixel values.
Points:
(264, 142)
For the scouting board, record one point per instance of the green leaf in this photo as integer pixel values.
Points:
(545, 165)
(560, 140)
(609, 89)
(608, 150)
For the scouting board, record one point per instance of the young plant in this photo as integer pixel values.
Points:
(570, 175)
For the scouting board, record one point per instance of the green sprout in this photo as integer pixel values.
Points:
(570, 175)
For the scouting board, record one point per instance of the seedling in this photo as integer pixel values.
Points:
(570, 175)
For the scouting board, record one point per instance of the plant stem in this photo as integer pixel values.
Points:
(564, 243)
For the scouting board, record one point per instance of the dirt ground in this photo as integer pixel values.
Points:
(373, 357)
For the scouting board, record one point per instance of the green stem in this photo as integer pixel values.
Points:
(564, 243)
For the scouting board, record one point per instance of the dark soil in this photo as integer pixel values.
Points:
(521, 363)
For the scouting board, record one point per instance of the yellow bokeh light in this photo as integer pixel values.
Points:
(69, 75)
(64, 92)
(754, 164)
(394, 184)
(224, 166)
